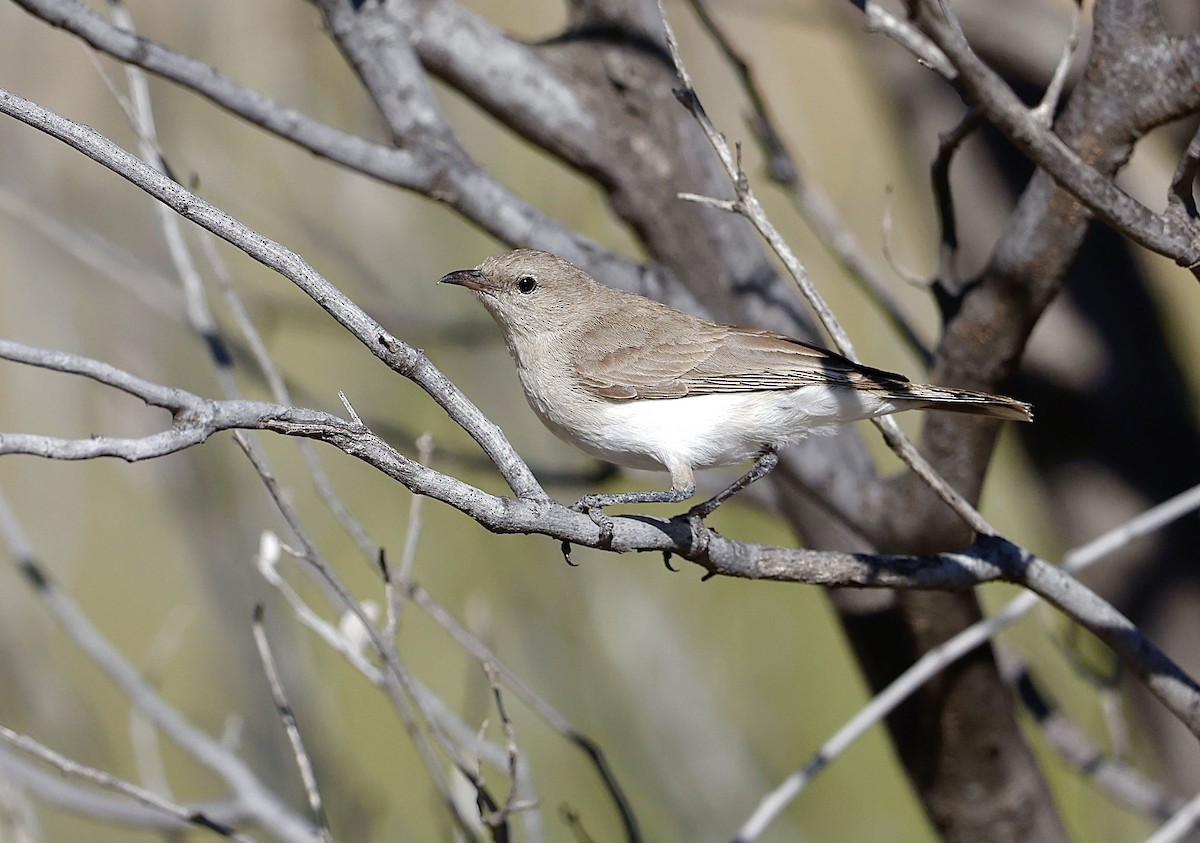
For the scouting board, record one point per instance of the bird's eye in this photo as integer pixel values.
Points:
(526, 283)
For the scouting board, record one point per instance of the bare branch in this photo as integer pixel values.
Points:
(435, 165)
(749, 207)
(288, 717)
(84, 800)
(990, 558)
(195, 418)
(1110, 775)
(540, 706)
(986, 90)
(1179, 826)
(401, 357)
(813, 204)
(356, 631)
(1044, 112)
(881, 20)
(885, 233)
(946, 654)
(946, 274)
(1182, 196)
(261, 805)
(116, 784)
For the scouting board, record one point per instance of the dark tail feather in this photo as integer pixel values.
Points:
(974, 403)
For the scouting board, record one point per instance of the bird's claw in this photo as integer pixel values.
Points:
(599, 517)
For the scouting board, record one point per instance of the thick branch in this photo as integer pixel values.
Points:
(1179, 75)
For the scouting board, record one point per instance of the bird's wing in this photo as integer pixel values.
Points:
(650, 359)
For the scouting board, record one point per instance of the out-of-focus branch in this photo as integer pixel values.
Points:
(813, 203)
(1110, 775)
(552, 717)
(288, 717)
(1116, 780)
(431, 161)
(1177, 94)
(1184, 822)
(255, 798)
(84, 800)
(108, 781)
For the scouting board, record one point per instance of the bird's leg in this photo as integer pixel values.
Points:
(683, 486)
(763, 466)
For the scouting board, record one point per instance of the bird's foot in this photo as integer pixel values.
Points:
(595, 510)
(695, 518)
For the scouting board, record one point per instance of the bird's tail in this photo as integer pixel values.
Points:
(931, 397)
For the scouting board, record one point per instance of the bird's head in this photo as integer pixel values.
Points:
(530, 293)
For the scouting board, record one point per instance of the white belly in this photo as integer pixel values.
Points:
(711, 430)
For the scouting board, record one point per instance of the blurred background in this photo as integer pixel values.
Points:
(703, 695)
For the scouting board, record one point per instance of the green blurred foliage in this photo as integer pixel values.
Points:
(704, 695)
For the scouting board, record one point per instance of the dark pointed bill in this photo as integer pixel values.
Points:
(472, 279)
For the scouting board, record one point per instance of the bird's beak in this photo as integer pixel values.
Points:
(472, 279)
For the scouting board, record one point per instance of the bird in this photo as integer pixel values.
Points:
(643, 385)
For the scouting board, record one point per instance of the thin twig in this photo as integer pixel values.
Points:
(473, 645)
(1117, 780)
(885, 236)
(982, 86)
(1185, 821)
(394, 677)
(943, 655)
(129, 273)
(116, 784)
(946, 275)
(50, 788)
(260, 803)
(280, 392)
(812, 203)
(141, 114)
(498, 819)
(288, 717)
(749, 207)
(143, 736)
(412, 535)
(18, 823)
(1044, 112)
(350, 646)
(912, 39)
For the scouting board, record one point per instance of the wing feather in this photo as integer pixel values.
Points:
(650, 357)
